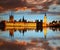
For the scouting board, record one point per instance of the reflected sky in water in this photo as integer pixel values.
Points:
(53, 37)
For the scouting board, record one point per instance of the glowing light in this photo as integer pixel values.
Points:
(45, 31)
(45, 21)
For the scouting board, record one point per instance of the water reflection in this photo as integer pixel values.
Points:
(55, 28)
(39, 38)
(25, 29)
(45, 31)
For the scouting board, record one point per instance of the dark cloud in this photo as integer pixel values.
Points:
(12, 4)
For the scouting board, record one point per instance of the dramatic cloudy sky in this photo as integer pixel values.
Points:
(34, 5)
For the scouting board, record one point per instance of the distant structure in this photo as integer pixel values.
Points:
(23, 20)
(45, 21)
(39, 25)
(11, 19)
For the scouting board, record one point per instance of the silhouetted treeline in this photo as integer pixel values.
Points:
(54, 24)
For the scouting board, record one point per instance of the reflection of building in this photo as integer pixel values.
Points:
(45, 32)
(11, 32)
(45, 20)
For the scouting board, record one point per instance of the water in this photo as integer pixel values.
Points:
(51, 35)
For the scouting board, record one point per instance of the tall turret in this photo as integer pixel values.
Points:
(11, 18)
(45, 21)
(23, 19)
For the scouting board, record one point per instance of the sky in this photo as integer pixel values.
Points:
(30, 9)
(30, 17)
(34, 5)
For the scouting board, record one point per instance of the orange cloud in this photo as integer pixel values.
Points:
(26, 4)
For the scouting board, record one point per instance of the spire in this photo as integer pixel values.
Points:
(11, 13)
(23, 19)
(45, 21)
(11, 17)
(45, 14)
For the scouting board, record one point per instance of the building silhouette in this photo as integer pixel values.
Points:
(45, 20)
(23, 20)
(39, 25)
(2, 24)
(11, 19)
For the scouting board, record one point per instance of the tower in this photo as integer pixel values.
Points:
(45, 21)
(23, 19)
(11, 19)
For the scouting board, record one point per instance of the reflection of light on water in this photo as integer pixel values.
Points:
(31, 35)
(45, 31)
